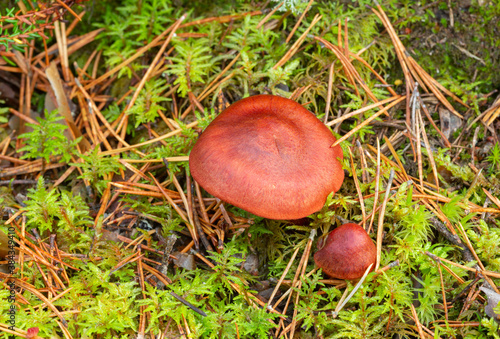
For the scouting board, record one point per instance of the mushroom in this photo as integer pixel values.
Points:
(269, 156)
(347, 252)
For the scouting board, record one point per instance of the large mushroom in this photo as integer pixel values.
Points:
(269, 156)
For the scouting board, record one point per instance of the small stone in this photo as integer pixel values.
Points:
(184, 260)
(493, 300)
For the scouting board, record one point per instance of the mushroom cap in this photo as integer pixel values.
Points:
(269, 156)
(347, 252)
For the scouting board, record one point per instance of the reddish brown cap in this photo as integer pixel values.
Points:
(347, 252)
(270, 156)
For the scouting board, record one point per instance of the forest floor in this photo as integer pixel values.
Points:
(105, 233)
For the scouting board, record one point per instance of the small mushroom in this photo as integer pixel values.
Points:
(269, 156)
(347, 252)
